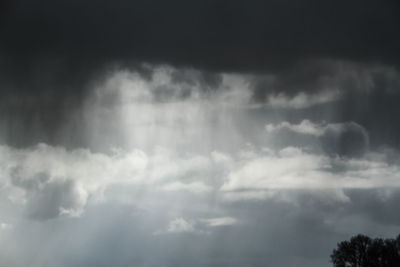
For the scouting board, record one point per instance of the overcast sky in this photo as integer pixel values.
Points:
(196, 133)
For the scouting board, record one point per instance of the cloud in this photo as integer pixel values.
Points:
(309, 128)
(6, 226)
(259, 198)
(294, 169)
(195, 187)
(162, 105)
(56, 198)
(47, 88)
(52, 181)
(221, 221)
(291, 169)
(48, 197)
(347, 138)
(196, 226)
(179, 225)
(179, 30)
(305, 127)
(301, 100)
(350, 139)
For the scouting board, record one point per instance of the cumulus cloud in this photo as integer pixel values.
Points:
(347, 138)
(55, 181)
(52, 181)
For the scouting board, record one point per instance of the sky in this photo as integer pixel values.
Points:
(196, 133)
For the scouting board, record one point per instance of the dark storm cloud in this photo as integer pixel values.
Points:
(51, 53)
(66, 41)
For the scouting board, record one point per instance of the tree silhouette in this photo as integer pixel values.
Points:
(362, 251)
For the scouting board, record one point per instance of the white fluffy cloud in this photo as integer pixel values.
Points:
(52, 181)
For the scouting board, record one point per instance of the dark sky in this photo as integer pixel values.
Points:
(196, 133)
(63, 42)
(51, 50)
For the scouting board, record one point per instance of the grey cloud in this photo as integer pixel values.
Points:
(344, 139)
(151, 117)
(55, 199)
(275, 176)
(351, 140)
(344, 70)
(28, 183)
(49, 198)
(326, 75)
(47, 55)
(365, 94)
